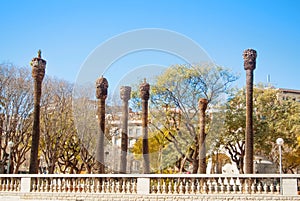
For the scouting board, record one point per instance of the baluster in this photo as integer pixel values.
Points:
(92, 184)
(7, 184)
(125, 186)
(1, 187)
(193, 190)
(88, 185)
(65, 185)
(259, 187)
(6, 187)
(123, 189)
(78, 185)
(170, 186)
(38, 185)
(209, 186)
(43, 186)
(272, 188)
(53, 185)
(33, 188)
(49, 182)
(175, 187)
(228, 187)
(108, 189)
(253, 187)
(117, 186)
(164, 187)
(11, 185)
(234, 186)
(278, 188)
(240, 186)
(198, 187)
(204, 186)
(15, 187)
(103, 186)
(97, 185)
(216, 186)
(181, 187)
(158, 187)
(128, 186)
(265, 188)
(247, 186)
(134, 186)
(73, 185)
(226, 183)
(60, 185)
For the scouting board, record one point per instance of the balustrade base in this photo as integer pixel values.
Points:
(18, 196)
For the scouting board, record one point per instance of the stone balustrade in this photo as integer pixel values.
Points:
(156, 184)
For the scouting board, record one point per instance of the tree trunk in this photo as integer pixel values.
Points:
(202, 148)
(125, 96)
(101, 94)
(144, 91)
(38, 72)
(249, 65)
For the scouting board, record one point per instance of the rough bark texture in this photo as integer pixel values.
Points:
(101, 95)
(144, 93)
(249, 65)
(202, 148)
(38, 73)
(125, 96)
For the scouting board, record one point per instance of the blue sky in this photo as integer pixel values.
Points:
(68, 31)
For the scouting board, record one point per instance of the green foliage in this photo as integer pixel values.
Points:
(174, 109)
(272, 118)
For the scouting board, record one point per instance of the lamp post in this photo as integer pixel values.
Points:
(10, 145)
(280, 142)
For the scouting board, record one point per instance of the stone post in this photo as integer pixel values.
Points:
(202, 148)
(38, 72)
(249, 56)
(144, 93)
(125, 96)
(101, 95)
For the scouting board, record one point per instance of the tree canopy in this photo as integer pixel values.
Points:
(174, 108)
(272, 118)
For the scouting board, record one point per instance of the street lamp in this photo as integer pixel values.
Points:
(280, 142)
(10, 145)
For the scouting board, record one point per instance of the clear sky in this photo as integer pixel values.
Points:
(68, 31)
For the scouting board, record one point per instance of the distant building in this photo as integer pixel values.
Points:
(134, 132)
(289, 94)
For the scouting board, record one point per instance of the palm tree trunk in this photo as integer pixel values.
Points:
(202, 148)
(249, 65)
(125, 96)
(38, 73)
(144, 92)
(101, 95)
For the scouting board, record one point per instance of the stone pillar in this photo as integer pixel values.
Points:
(101, 95)
(202, 148)
(249, 56)
(38, 72)
(144, 93)
(125, 92)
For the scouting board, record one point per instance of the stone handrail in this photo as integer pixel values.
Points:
(159, 184)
